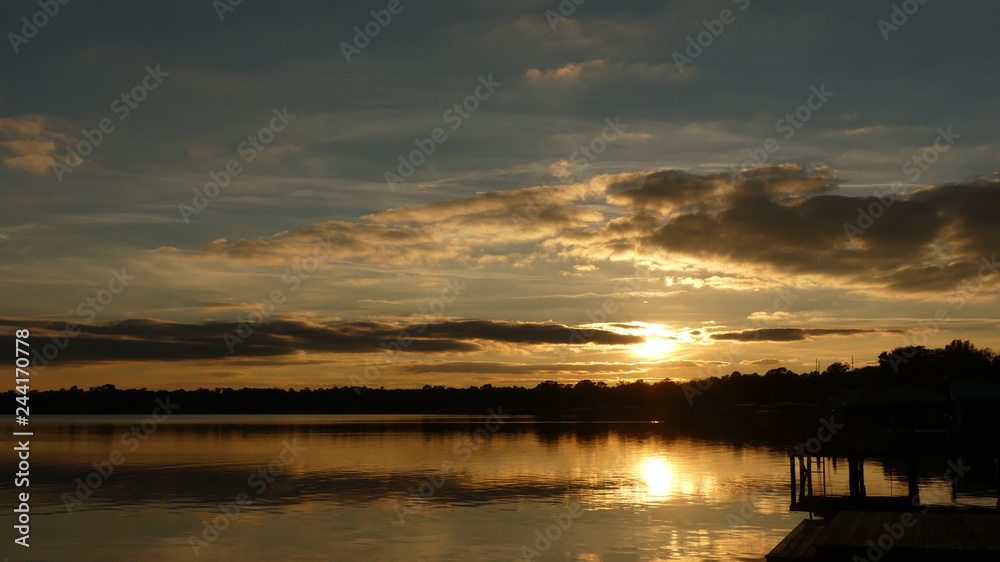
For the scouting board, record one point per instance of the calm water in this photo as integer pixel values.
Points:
(401, 488)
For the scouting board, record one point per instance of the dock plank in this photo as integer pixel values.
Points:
(798, 544)
(778, 552)
(958, 536)
(802, 547)
(987, 529)
(929, 528)
(911, 537)
(965, 536)
(834, 527)
(924, 531)
(857, 522)
(873, 529)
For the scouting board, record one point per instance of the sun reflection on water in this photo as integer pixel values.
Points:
(658, 476)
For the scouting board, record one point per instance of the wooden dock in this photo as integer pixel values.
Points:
(889, 536)
(799, 544)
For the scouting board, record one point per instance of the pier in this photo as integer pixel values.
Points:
(889, 535)
(849, 524)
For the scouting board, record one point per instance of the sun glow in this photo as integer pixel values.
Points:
(654, 347)
(659, 341)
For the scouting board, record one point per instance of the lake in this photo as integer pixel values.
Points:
(403, 487)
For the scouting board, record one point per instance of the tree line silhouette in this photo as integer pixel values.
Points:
(716, 400)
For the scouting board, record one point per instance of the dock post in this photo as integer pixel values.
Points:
(791, 470)
(861, 477)
(852, 477)
(913, 487)
(809, 473)
(802, 477)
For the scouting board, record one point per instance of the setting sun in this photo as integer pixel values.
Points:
(660, 340)
(654, 347)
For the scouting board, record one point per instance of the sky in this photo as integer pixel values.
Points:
(400, 193)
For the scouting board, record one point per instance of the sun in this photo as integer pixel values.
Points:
(657, 339)
(654, 347)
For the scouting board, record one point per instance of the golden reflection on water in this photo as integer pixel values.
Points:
(645, 494)
(658, 476)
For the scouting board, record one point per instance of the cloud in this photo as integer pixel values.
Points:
(793, 334)
(670, 191)
(550, 369)
(524, 333)
(787, 221)
(762, 362)
(494, 367)
(569, 72)
(606, 70)
(429, 234)
(489, 202)
(772, 222)
(225, 374)
(926, 242)
(31, 144)
(769, 316)
(865, 130)
(157, 340)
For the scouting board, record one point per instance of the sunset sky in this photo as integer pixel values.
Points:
(585, 194)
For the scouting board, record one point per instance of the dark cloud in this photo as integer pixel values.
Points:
(523, 332)
(793, 334)
(926, 242)
(148, 339)
(675, 190)
(786, 221)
